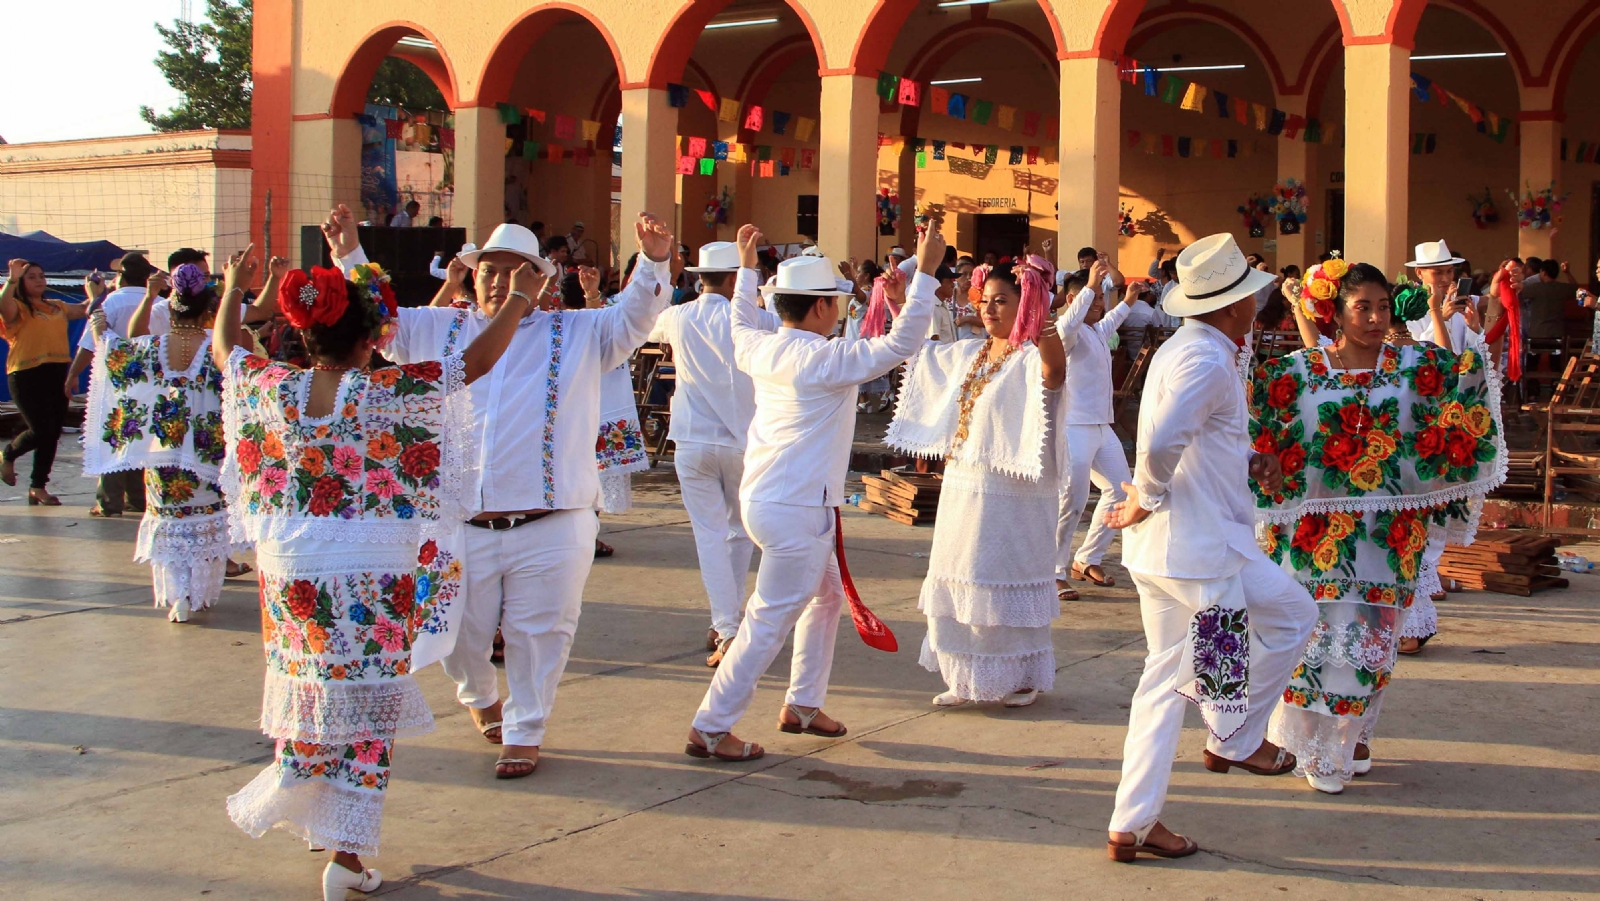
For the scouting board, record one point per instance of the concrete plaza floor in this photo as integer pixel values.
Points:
(121, 735)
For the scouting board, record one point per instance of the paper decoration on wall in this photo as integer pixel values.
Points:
(768, 168)
(1030, 123)
(555, 154)
(1184, 145)
(753, 118)
(394, 129)
(581, 155)
(957, 107)
(510, 143)
(780, 122)
(1423, 143)
(786, 156)
(1007, 116)
(764, 152)
(922, 161)
(991, 153)
(508, 114)
(969, 168)
(708, 166)
(981, 110)
(1289, 205)
(782, 169)
(687, 165)
(720, 150)
(1015, 156)
(729, 111)
(939, 99)
(591, 130)
(1150, 81)
(708, 98)
(1033, 156)
(909, 93)
(696, 147)
(530, 150)
(1259, 115)
(1484, 213)
(677, 96)
(888, 86)
(536, 115)
(566, 127)
(1052, 128)
(802, 128)
(808, 158)
(1538, 209)
(1292, 126)
(1194, 99)
(1221, 103)
(938, 150)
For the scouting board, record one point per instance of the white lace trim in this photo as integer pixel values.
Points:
(922, 428)
(978, 677)
(1346, 646)
(1323, 745)
(337, 713)
(199, 581)
(1422, 620)
(616, 490)
(969, 477)
(336, 818)
(192, 538)
(391, 558)
(98, 459)
(1026, 604)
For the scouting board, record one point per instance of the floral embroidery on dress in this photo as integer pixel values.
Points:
(1323, 542)
(1220, 637)
(174, 493)
(142, 415)
(124, 425)
(170, 419)
(547, 458)
(361, 765)
(620, 444)
(438, 583)
(126, 363)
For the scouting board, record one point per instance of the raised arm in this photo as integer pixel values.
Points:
(455, 275)
(1052, 359)
(626, 324)
(746, 320)
(853, 362)
(266, 303)
(225, 334)
(10, 307)
(1441, 332)
(139, 325)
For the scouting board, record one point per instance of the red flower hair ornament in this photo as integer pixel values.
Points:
(317, 299)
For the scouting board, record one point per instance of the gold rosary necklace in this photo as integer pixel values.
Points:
(983, 371)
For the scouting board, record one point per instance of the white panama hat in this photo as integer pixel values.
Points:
(718, 256)
(511, 238)
(1213, 273)
(815, 276)
(1434, 253)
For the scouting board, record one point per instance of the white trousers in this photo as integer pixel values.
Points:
(527, 582)
(1282, 615)
(797, 587)
(708, 477)
(1094, 455)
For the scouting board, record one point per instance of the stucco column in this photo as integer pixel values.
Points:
(1293, 162)
(1091, 163)
(649, 161)
(1377, 154)
(1541, 165)
(480, 201)
(327, 170)
(847, 167)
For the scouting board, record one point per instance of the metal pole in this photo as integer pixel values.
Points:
(266, 229)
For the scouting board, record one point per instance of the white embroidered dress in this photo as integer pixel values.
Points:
(990, 590)
(345, 512)
(144, 415)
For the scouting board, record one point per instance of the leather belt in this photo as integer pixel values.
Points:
(506, 523)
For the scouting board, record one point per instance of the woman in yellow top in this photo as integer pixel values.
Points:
(35, 328)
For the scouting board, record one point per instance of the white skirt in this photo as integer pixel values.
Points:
(990, 590)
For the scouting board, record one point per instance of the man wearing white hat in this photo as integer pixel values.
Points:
(794, 468)
(1436, 266)
(1190, 546)
(530, 541)
(712, 406)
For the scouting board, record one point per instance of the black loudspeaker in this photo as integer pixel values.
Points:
(806, 217)
(404, 253)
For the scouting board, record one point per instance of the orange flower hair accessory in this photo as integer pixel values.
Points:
(317, 299)
(1318, 289)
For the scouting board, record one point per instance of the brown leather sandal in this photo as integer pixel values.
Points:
(751, 750)
(1282, 764)
(1082, 574)
(1065, 592)
(719, 652)
(1129, 853)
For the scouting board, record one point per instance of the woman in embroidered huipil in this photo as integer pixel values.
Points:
(1381, 448)
(990, 590)
(155, 403)
(339, 476)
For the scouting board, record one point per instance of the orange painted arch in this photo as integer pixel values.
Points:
(350, 91)
(672, 52)
(494, 85)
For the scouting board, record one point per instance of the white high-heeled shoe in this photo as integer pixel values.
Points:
(336, 880)
(1331, 785)
(948, 699)
(1363, 767)
(179, 611)
(1022, 698)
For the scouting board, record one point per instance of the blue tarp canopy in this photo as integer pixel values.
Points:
(56, 255)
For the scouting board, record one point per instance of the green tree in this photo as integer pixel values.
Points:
(400, 83)
(209, 64)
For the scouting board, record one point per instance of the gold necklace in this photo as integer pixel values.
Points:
(983, 371)
(1361, 393)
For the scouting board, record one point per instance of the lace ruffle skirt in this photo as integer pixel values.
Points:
(990, 590)
(1322, 744)
(184, 537)
(1422, 620)
(616, 491)
(337, 623)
